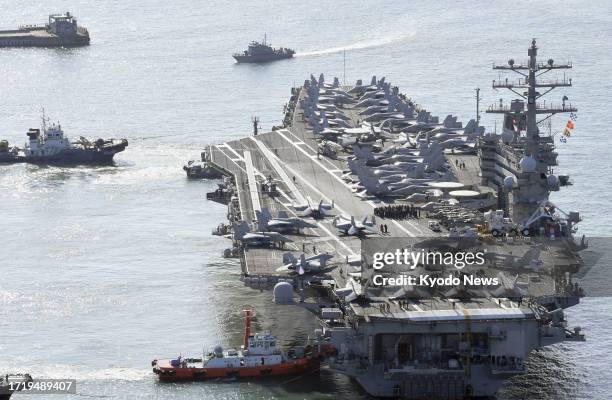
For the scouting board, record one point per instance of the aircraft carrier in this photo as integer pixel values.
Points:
(355, 169)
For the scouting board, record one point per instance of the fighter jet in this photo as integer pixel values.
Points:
(304, 265)
(510, 287)
(242, 233)
(329, 148)
(404, 187)
(530, 260)
(282, 224)
(320, 211)
(354, 228)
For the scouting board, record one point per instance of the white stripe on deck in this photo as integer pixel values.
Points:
(252, 182)
(239, 158)
(313, 150)
(280, 171)
(336, 238)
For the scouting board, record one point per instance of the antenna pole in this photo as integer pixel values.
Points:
(478, 106)
(344, 67)
(247, 327)
(255, 121)
(44, 120)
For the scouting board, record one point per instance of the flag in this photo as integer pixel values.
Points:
(567, 133)
(573, 117)
(563, 139)
(570, 124)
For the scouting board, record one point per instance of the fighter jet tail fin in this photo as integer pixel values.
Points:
(324, 122)
(362, 152)
(240, 229)
(263, 217)
(289, 258)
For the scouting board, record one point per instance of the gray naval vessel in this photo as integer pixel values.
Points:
(60, 31)
(362, 169)
(49, 146)
(261, 52)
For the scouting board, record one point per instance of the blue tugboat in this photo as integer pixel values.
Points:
(51, 147)
(263, 52)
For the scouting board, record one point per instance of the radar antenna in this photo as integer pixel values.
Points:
(530, 86)
(255, 121)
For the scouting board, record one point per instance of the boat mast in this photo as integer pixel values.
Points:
(344, 67)
(247, 327)
(478, 106)
(44, 119)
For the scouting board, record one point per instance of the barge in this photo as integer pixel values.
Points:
(61, 30)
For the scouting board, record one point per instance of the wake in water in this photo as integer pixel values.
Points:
(81, 374)
(364, 44)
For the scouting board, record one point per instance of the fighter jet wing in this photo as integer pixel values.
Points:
(279, 223)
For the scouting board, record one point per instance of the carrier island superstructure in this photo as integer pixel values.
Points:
(357, 166)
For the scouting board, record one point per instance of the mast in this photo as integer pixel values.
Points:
(533, 155)
(529, 81)
(344, 67)
(478, 106)
(44, 119)
(248, 313)
(255, 121)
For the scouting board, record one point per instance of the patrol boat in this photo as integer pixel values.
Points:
(51, 147)
(262, 52)
(259, 356)
(60, 31)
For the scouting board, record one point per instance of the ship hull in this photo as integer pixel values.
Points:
(74, 156)
(241, 59)
(39, 37)
(201, 171)
(167, 373)
(6, 158)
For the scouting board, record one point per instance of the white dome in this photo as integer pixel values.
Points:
(528, 164)
(552, 180)
(509, 182)
(283, 293)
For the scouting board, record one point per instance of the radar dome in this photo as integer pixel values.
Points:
(218, 351)
(509, 182)
(552, 180)
(283, 293)
(528, 164)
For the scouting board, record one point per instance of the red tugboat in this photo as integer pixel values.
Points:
(259, 356)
